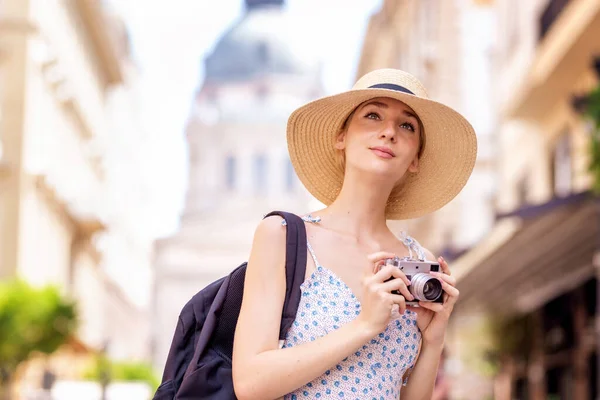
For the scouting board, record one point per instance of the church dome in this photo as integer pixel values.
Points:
(265, 41)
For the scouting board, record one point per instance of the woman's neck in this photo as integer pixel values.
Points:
(359, 209)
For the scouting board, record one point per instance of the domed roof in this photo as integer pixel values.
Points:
(260, 43)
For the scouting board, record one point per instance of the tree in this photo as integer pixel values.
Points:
(592, 112)
(121, 371)
(32, 320)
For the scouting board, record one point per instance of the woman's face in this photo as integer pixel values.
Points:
(383, 138)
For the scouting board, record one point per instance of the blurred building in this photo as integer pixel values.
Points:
(71, 185)
(239, 164)
(534, 278)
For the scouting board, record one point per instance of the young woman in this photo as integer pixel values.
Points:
(380, 151)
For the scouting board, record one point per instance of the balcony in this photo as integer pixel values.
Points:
(550, 14)
(570, 41)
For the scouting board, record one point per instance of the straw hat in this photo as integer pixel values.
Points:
(445, 165)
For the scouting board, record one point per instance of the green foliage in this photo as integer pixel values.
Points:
(495, 338)
(121, 371)
(32, 320)
(592, 112)
(513, 336)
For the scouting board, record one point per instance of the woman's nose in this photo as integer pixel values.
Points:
(388, 132)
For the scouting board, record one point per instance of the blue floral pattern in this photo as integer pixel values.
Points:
(374, 371)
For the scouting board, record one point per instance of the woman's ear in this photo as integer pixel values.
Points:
(414, 165)
(340, 141)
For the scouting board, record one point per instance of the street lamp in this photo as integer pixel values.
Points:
(48, 380)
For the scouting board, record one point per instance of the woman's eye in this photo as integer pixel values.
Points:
(409, 126)
(372, 115)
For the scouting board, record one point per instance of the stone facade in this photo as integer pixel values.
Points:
(69, 184)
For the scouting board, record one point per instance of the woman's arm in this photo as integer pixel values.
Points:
(263, 371)
(422, 378)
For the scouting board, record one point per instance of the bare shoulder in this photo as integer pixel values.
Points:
(271, 228)
(272, 231)
(269, 242)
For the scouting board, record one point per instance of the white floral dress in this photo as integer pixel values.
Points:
(374, 371)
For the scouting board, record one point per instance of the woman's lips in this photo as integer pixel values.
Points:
(383, 152)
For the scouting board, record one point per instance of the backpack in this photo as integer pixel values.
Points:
(199, 362)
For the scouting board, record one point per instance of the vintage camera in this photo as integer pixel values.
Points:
(423, 285)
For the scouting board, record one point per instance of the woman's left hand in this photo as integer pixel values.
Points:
(432, 318)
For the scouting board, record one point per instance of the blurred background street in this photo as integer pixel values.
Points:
(142, 141)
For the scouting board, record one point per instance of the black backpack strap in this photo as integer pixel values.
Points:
(295, 267)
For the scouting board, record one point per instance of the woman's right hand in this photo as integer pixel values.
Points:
(377, 297)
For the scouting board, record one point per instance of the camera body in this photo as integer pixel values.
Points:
(423, 285)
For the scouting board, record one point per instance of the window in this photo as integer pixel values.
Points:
(290, 175)
(260, 173)
(522, 190)
(562, 166)
(230, 169)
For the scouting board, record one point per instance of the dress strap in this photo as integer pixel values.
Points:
(312, 253)
(412, 245)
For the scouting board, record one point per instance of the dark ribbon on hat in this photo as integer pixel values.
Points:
(391, 86)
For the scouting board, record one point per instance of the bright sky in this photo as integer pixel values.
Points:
(170, 40)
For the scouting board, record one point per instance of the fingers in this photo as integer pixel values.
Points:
(380, 255)
(401, 301)
(435, 307)
(448, 282)
(390, 273)
(444, 265)
(377, 259)
(452, 293)
(399, 285)
(399, 274)
(448, 288)
(444, 278)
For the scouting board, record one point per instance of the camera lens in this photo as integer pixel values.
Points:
(425, 287)
(430, 290)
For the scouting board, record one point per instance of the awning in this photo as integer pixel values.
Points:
(551, 252)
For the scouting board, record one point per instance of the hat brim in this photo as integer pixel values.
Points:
(444, 167)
